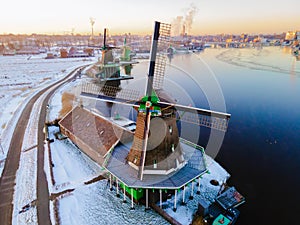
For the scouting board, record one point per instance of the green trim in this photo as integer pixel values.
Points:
(154, 110)
(138, 193)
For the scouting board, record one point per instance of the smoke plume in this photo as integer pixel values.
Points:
(183, 24)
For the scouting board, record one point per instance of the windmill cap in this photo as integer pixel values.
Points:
(165, 97)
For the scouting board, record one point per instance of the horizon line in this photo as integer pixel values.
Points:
(138, 34)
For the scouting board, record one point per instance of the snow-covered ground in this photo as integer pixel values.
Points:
(95, 203)
(208, 192)
(25, 189)
(21, 77)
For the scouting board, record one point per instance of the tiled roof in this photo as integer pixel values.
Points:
(95, 131)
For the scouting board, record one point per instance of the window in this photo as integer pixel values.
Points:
(170, 129)
(173, 147)
(154, 164)
(176, 162)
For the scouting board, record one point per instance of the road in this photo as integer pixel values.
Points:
(8, 179)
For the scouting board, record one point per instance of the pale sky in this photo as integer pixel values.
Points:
(138, 16)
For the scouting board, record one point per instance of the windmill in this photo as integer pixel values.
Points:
(156, 148)
(107, 70)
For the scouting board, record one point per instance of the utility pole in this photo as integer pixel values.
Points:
(92, 22)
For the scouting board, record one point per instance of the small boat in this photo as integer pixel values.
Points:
(286, 43)
(181, 49)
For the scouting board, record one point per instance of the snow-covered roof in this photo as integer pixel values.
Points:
(195, 167)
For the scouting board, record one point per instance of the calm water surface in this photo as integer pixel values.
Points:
(261, 149)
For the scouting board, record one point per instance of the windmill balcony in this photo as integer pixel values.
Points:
(154, 171)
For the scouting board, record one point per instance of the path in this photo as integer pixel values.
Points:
(7, 181)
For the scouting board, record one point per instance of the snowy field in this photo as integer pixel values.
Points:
(21, 77)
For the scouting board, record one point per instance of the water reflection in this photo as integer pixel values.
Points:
(293, 72)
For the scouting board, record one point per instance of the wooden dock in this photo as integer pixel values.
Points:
(165, 215)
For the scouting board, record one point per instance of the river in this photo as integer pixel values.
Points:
(260, 88)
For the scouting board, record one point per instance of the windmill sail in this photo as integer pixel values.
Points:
(160, 61)
(157, 64)
(151, 98)
(202, 117)
(109, 93)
